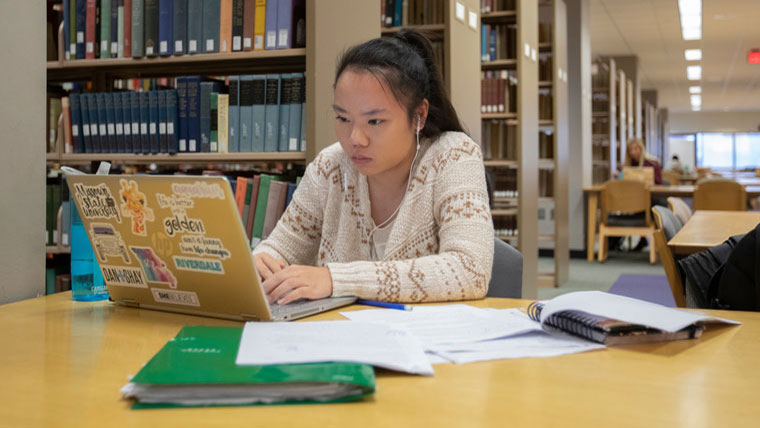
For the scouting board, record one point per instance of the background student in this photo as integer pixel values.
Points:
(637, 156)
(397, 209)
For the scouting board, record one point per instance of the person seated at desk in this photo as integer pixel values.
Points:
(637, 156)
(397, 209)
(676, 165)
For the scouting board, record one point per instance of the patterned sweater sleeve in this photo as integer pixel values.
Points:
(461, 269)
(296, 236)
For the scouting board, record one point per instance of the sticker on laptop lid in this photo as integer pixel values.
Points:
(155, 269)
(195, 264)
(203, 246)
(135, 205)
(96, 202)
(198, 189)
(108, 242)
(124, 276)
(175, 297)
(174, 202)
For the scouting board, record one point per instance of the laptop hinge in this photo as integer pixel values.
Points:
(129, 302)
(249, 317)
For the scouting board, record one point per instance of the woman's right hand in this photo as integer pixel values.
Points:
(267, 265)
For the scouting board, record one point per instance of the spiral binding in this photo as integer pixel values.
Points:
(573, 322)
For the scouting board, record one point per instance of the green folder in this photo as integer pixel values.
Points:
(197, 368)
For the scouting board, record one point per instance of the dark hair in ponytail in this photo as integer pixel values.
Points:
(405, 63)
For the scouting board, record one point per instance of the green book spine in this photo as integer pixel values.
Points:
(72, 29)
(49, 281)
(137, 29)
(105, 29)
(120, 32)
(261, 208)
(56, 207)
(247, 200)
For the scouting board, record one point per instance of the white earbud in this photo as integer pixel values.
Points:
(418, 131)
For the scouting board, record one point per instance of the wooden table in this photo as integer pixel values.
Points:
(707, 229)
(592, 204)
(63, 363)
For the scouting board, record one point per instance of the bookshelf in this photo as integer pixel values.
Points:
(510, 137)
(165, 158)
(604, 119)
(621, 87)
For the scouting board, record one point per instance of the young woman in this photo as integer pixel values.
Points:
(637, 156)
(397, 209)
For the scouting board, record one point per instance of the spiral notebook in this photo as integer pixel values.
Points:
(617, 320)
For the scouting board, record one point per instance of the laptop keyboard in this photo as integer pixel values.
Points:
(298, 305)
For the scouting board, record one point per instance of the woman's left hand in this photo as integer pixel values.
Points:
(298, 282)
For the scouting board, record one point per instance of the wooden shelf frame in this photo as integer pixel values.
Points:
(428, 28)
(165, 158)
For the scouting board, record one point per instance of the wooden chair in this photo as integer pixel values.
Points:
(672, 177)
(668, 262)
(680, 208)
(720, 194)
(625, 197)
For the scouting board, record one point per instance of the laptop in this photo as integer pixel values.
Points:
(177, 243)
(639, 173)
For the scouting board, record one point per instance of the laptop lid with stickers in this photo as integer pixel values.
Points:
(173, 243)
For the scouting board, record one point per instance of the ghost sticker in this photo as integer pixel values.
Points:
(134, 204)
(155, 268)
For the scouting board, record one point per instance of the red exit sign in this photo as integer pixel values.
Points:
(754, 56)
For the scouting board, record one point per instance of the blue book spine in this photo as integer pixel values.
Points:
(110, 123)
(172, 121)
(246, 112)
(179, 25)
(289, 195)
(165, 29)
(126, 110)
(397, 13)
(271, 130)
(114, 48)
(258, 113)
(90, 121)
(101, 145)
(205, 116)
(211, 25)
(181, 128)
(155, 145)
(193, 113)
(194, 26)
(483, 42)
(284, 127)
(270, 34)
(67, 29)
(162, 135)
(76, 122)
(134, 104)
(492, 44)
(144, 122)
(81, 25)
(294, 107)
(118, 118)
(284, 22)
(234, 115)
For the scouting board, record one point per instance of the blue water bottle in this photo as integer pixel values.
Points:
(87, 282)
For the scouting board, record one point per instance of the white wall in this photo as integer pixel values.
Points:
(22, 164)
(699, 121)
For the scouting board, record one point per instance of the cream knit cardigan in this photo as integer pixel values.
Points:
(440, 247)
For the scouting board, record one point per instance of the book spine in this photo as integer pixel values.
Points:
(213, 122)
(113, 146)
(165, 29)
(258, 113)
(298, 27)
(162, 140)
(81, 27)
(84, 110)
(246, 113)
(181, 114)
(76, 123)
(138, 33)
(234, 115)
(205, 116)
(398, 16)
(225, 26)
(246, 214)
(150, 18)
(127, 29)
(271, 131)
(302, 146)
(248, 20)
(194, 26)
(120, 30)
(238, 22)
(172, 121)
(193, 114)
(113, 49)
(102, 145)
(67, 142)
(261, 208)
(211, 25)
(155, 144)
(223, 123)
(118, 118)
(389, 13)
(126, 119)
(144, 122)
(284, 125)
(180, 26)
(259, 24)
(240, 185)
(134, 104)
(66, 9)
(270, 41)
(89, 36)
(284, 22)
(294, 107)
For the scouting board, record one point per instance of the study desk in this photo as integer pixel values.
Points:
(707, 229)
(592, 204)
(63, 363)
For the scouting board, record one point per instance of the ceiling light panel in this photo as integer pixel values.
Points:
(692, 54)
(691, 19)
(694, 72)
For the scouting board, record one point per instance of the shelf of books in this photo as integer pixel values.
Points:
(604, 119)
(509, 124)
(215, 87)
(621, 96)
